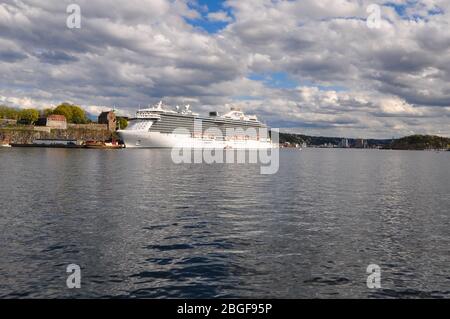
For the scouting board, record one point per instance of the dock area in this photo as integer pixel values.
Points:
(67, 143)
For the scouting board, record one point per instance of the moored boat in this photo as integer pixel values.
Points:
(102, 145)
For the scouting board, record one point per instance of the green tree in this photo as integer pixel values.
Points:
(73, 113)
(8, 112)
(46, 112)
(78, 115)
(122, 123)
(64, 109)
(28, 116)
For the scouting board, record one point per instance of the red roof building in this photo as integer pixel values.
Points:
(56, 121)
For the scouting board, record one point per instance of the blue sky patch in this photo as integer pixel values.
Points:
(205, 7)
(247, 98)
(280, 80)
(337, 88)
(401, 10)
(435, 11)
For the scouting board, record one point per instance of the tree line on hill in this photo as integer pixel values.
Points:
(73, 114)
(322, 140)
(421, 142)
(413, 142)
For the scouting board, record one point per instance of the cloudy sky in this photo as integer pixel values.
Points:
(314, 67)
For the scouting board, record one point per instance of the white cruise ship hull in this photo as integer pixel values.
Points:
(158, 127)
(143, 139)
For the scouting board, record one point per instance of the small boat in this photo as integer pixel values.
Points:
(102, 145)
(5, 142)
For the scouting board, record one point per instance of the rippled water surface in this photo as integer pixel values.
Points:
(141, 226)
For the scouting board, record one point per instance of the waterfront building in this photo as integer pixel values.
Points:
(344, 143)
(360, 143)
(108, 118)
(53, 121)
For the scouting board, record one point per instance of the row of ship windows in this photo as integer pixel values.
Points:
(165, 126)
(174, 118)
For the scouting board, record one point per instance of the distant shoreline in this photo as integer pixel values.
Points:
(412, 142)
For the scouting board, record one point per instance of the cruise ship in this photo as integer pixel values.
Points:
(159, 126)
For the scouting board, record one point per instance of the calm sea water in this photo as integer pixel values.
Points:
(140, 226)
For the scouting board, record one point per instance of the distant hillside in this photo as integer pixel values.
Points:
(291, 138)
(322, 140)
(420, 142)
(413, 142)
